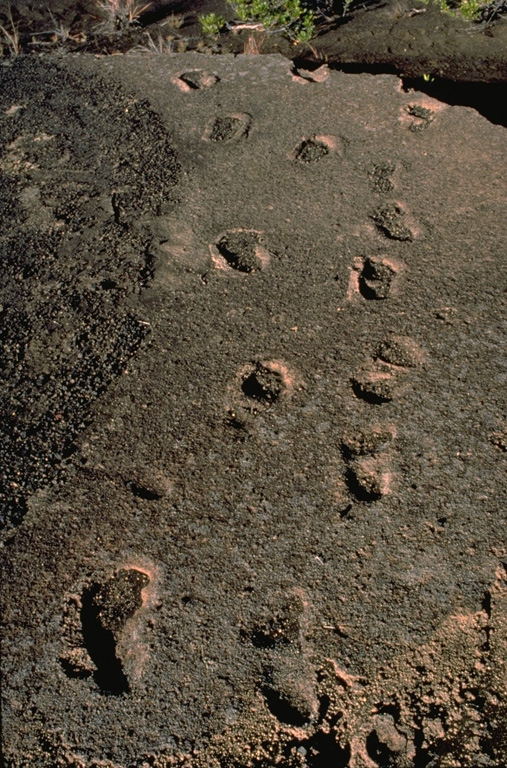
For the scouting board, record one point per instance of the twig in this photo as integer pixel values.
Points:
(12, 37)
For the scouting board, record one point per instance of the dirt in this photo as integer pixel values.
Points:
(253, 417)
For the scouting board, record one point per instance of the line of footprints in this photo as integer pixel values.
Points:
(366, 453)
(96, 616)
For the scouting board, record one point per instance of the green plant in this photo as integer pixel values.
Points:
(211, 23)
(306, 31)
(289, 16)
(471, 10)
(120, 14)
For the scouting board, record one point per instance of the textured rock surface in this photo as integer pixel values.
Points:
(221, 549)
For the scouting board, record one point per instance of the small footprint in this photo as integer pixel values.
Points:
(263, 384)
(373, 277)
(422, 117)
(367, 442)
(290, 682)
(255, 388)
(290, 690)
(321, 750)
(305, 76)
(196, 80)
(241, 250)
(400, 351)
(368, 478)
(376, 278)
(392, 221)
(374, 386)
(314, 148)
(281, 624)
(394, 356)
(417, 115)
(386, 745)
(381, 177)
(228, 127)
(368, 475)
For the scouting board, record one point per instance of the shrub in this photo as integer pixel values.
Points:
(211, 23)
(471, 10)
(289, 16)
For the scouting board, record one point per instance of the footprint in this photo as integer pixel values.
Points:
(144, 491)
(93, 627)
(381, 177)
(149, 485)
(373, 277)
(304, 76)
(380, 383)
(290, 682)
(499, 439)
(228, 127)
(368, 478)
(281, 625)
(367, 442)
(391, 220)
(240, 249)
(263, 384)
(321, 750)
(376, 387)
(376, 278)
(256, 387)
(290, 690)
(422, 117)
(386, 745)
(400, 351)
(314, 148)
(74, 657)
(195, 80)
(367, 475)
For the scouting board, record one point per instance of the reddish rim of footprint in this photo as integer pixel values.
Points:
(417, 114)
(304, 77)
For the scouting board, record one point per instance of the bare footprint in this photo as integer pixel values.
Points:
(195, 80)
(241, 250)
(228, 127)
(313, 148)
(374, 277)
